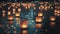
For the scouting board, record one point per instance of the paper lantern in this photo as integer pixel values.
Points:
(40, 14)
(38, 25)
(24, 32)
(10, 17)
(52, 18)
(24, 24)
(38, 19)
(17, 14)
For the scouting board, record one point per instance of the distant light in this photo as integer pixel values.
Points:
(24, 32)
(40, 14)
(52, 18)
(38, 19)
(38, 25)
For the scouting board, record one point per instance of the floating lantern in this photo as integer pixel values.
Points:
(10, 17)
(52, 18)
(24, 24)
(38, 19)
(40, 14)
(38, 25)
(52, 23)
(9, 12)
(17, 14)
(24, 32)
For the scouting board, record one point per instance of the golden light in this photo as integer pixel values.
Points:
(29, 6)
(19, 9)
(58, 11)
(26, 7)
(17, 14)
(13, 12)
(41, 7)
(58, 14)
(40, 14)
(45, 8)
(38, 19)
(52, 18)
(55, 11)
(10, 17)
(24, 32)
(38, 25)
(24, 26)
(9, 12)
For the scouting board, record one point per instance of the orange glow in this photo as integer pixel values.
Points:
(40, 14)
(25, 7)
(19, 9)
(18, 4)
(52, 18)
(24, 32)
(13, 9)
(38, 19)
(9, 12)
(10, 17)
(17, 14)
(24, 24)
(38, 25)
(24, 4)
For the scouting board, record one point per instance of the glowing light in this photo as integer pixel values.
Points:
(52, 18)
(38, 19)
(40, 14)
(9, 12)
(17, 14)
(3, 15)
(24, 24)
(19, 9)
(10, 17)
(38, 25)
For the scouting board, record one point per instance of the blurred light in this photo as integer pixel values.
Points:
(52, 18)
(40, 14)
(9, 12)
(17, 19)
(24, 24)
(10, 17)
(38, 19)
(34, 7)
(24, 32)
(38, 25)
(17, 14)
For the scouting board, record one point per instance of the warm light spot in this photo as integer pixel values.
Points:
(40, 14)
(34, 7)
(52, 18)
(9, 12)
(24, 26)
(25, 7)
(17, 19)
(17, 14)
(38, 19)
(3, 15)
(10, 17)
(38, 25)
(13, 9)
(24, 32)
